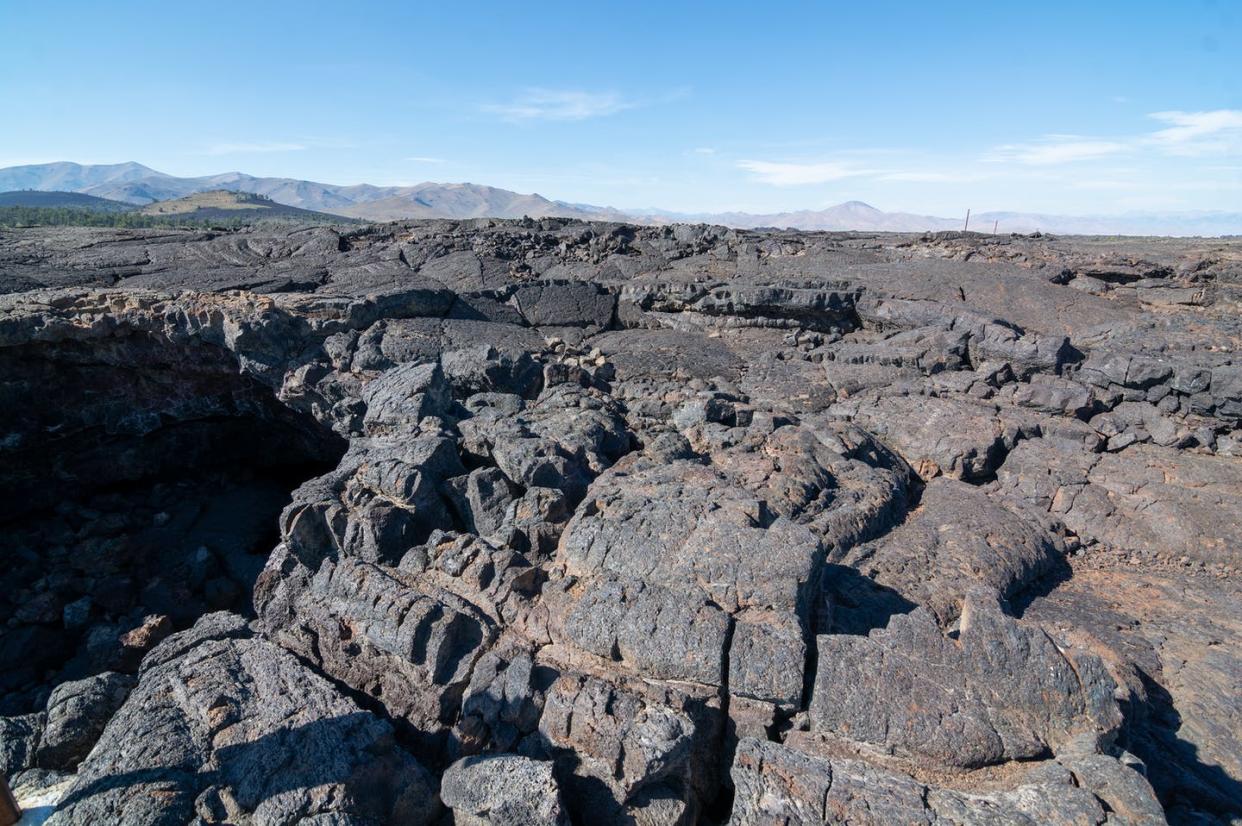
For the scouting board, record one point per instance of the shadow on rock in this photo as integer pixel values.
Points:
(284, 776)
(1057, 574)
(856, 604)
(1186, 786)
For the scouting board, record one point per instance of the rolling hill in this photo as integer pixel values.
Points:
(220, 205)
(72, 200)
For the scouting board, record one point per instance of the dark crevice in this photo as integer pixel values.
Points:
(142, 482)
(720, 806)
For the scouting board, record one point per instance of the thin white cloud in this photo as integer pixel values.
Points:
(826, 171)
(1057, 149)
(702, 150)
(1212, 132)
(1199, 133)
(800, 174)
(249, 148)
(1106, 184)
(560, 105)
(928, 177)
(425, 159)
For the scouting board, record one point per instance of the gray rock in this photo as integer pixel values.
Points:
(19, 740)
(1001, 691)
(1126, 792)
(676, 550)
(566, 304)
(236, 728)
(503, 702)
(502, 789)
(481, 499)
(76, 715)
(961, 439)
(958, 540)
(37, 791)
(400, 638)
(631, 738)
(1147, 498)
(403, 396)
(484, 369)
(658, 631)
(951, 491)
(775, 783)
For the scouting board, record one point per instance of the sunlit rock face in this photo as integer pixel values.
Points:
(555, 522)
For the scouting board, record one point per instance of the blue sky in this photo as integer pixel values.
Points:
(927, 107)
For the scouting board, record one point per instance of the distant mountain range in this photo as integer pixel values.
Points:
(855, 215)
(137, 184)
(54, 199)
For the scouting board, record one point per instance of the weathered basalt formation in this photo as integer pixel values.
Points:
(550, 522)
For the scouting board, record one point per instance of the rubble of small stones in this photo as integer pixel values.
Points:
(548, 522)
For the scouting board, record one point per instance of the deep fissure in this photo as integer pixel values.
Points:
(143, 480)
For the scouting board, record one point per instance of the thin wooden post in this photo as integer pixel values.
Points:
(10, 812)
(995, 224)
(967, 225)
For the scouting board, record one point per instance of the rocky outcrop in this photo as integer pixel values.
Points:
(553, 522)
(957, 541)
(1147, 500)
(997, 690)
(779, 784)
(222, 726)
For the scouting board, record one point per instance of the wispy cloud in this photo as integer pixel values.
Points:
(928, 176)
(800, 174)
(256, 147)
(826, 171)
(1199, 133)
(1069, 161)
(425, 159)
(1106, 184)
(560, 105)
(1213, 132)
(702, 150)
(1057, 149)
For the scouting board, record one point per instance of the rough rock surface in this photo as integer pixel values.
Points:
(77, 712)
(502, 788)
(553, 522)
(222, 727)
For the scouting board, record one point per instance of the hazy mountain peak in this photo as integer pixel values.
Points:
(135, 183)
(856, 205)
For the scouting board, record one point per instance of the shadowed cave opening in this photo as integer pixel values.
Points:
(141, 482)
